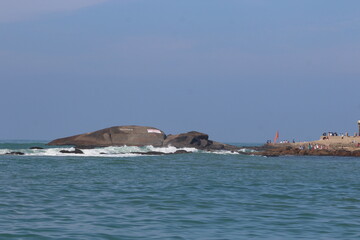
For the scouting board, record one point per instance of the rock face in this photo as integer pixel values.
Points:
(190, 139)
(196, 140)
(116, 136)
(142, 136)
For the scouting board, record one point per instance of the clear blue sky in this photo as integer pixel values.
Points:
(236, 69)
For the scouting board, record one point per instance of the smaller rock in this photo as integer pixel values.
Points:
(181, 152)
(76, 151)
(190, 139)
(36, 148)
(15, 153)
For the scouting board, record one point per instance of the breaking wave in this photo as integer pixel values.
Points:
(27, 148)
(247, 150)
(123, 151)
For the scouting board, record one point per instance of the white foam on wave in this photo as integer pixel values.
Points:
(246, 150)
(224, 152)
(123, 151)
(170, 149)
(4, 151)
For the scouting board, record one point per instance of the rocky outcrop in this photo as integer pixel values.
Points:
(197, 140)
(279, 150)
(142, 136)
(116, 136)
(190, 139)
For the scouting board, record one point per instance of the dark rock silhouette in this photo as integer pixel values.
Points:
(15, 153)
(76, 151)
(36, 148)
(181, 152)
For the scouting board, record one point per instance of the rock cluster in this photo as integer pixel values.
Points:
(142, 136)
(273, 151)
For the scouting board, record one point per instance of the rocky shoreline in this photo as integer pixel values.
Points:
(306, 149)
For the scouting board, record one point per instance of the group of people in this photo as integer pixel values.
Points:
(329, 134)
(311, 146)
(283, 141)
(335, 134)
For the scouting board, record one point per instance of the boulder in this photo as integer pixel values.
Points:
(181, 152)
(116, 136)
(15, 153)
(191, 139)
(33, 148)
(197, 140)
(76, 151)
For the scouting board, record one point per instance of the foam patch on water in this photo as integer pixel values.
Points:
(123, 151)
(246, 150)
(223, 152)
(4, 151)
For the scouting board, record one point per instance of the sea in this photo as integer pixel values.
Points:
(111, 193)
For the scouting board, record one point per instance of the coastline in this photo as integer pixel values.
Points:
(325, 146)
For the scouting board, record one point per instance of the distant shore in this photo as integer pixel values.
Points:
(326, 146)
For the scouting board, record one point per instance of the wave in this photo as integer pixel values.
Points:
(247, 150)
(123, 151)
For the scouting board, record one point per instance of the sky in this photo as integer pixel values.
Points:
(238, 70)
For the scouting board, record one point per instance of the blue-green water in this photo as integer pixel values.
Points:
(188, 196)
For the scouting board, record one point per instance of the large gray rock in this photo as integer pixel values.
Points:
(142, 136)
(116, 136)
(196, 140)
(190, 139)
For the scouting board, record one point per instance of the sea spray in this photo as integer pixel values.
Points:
(114, 151)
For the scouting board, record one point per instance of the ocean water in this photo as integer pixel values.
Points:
(119, 195)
